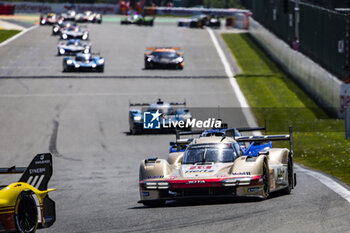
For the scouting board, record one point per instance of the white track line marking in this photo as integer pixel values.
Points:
(334, 186)
(236, 89)
(337, 188)
(17, 35)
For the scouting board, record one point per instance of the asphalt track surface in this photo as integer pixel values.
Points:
(83, 122)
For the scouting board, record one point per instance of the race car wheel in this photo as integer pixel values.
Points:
(154, 203)
(134, 131)
(101, 69)
(26, 213)
(290, 177)
(266, 188)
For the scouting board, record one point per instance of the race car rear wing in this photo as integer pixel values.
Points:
(268, 138)
(37, 174)
(228, 132)
(138, 104)
(158, 102)
(153, 48)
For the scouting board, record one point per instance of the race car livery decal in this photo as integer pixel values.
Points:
(253, 189)
(200, 170)
(155, 177)
(241, 173)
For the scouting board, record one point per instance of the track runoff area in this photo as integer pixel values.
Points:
(96, 163)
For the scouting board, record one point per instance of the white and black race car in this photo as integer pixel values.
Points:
(74, 32)
(57, 27)
(88, 17)
(73, 46)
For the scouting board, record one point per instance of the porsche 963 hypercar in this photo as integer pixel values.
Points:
(214, 167)
(164, 57)
(25, 206)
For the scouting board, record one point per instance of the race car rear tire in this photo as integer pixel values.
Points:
(26, 213)
(154, 203)
(266, 187)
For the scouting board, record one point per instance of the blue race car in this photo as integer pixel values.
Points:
(83, 62)
(253, 149)
(168, 114)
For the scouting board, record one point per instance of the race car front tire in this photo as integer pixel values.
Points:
(148, 65)
(266, 187)
(26, 213)
(100, 69)
(290, 177)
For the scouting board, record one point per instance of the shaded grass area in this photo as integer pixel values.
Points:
(319, 141)
(5, 34)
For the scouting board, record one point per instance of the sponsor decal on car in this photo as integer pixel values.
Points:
(155, 177)
(145, 194)
(253, 189)
(196, 182)
(241, 173)
(200, 169)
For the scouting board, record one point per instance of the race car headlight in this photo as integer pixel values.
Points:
(85, 36)
(150, 185)
(62, 51)
(235, 182)
(93, 65)
(156, 185)
(101, 61)
(86, 51)
(69, 62)
(163, 185)
(55, 29)
(179, 59)
(77, 65)
(64, 36)
(138, 118)
(149, 59)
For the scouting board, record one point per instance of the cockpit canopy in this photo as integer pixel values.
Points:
(211, 153)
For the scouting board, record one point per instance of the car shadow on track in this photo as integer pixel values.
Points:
(212, 201)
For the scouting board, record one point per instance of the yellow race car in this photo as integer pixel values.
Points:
(25, 205)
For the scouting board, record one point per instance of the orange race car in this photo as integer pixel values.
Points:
(164, 57)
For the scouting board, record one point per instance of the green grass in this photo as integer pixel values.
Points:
(319, 141)
(5, 34)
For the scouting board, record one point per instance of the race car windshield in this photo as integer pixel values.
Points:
(162, 109)
(165, 54)
(207, 153)
(74, 43)
(84, 58)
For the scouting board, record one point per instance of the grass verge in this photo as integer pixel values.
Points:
(319, 141)
(5, 34)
